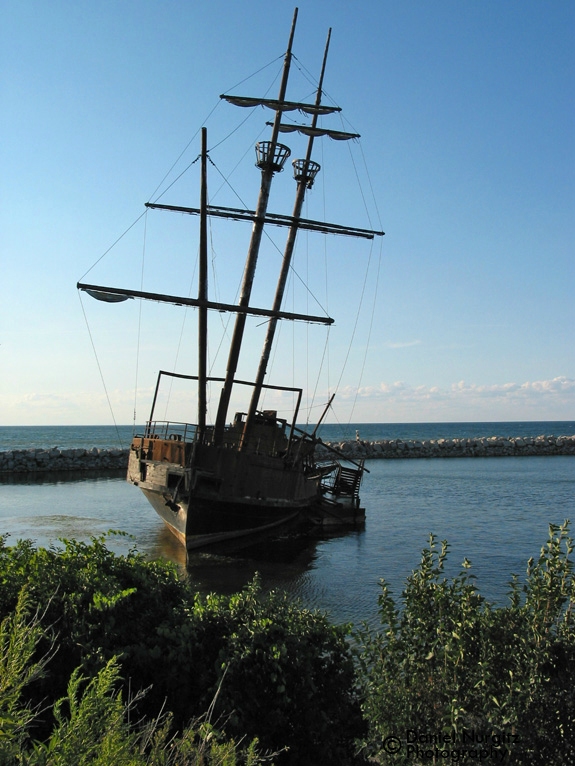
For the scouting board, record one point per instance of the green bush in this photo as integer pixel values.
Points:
(278, 673)
(91, 723)
(287, 674)
(100, 605)
(91, 642)
(453, 670)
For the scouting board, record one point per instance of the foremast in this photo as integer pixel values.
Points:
(271, 161)
(305, 172)
(271, 157)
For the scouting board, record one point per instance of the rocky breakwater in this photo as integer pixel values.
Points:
(492, 446)
(40, 460)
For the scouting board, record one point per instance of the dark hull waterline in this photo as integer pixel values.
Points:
(210, 515)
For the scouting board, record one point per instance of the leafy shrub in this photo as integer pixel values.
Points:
(83, 629)
(100, 605)
(91, 723)
(285, 667)
(448, 664)
(278, 673)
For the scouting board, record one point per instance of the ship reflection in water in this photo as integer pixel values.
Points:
(284, 562)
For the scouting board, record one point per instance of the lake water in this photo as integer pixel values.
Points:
(67, 437)
(494, 511)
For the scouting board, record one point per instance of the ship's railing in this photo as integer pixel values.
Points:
(343, 480)
(189, 432)
(208, 432)
(166, 429)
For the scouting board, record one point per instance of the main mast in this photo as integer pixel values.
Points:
(271, 157)
(305, 172)
(203, 293)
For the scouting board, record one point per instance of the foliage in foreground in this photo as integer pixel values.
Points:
(91, 723)
(105, 659)
(449, 667)
(267, 668)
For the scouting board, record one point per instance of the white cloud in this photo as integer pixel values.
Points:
(552, 399)
(386, 402)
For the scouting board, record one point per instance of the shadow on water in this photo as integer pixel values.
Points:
(59, 477)
(284, 562)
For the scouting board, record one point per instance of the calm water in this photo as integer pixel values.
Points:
(67, 437)
(495, 511)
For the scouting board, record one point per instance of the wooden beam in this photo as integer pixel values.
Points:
(195, 302)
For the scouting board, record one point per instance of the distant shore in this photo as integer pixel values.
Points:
(491, 446)
(107, 460)
(51, 460)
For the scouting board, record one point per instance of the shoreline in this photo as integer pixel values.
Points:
(490, 446)
(38, 460)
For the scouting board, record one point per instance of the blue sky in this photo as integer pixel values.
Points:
(466, 161)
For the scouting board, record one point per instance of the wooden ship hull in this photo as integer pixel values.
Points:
(208, 494)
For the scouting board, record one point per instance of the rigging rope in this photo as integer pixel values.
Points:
(356, 322)
(105, 253)
(139, 324)
(368, 334)
(366, 168)
(223, 140)
(100, 371)
(325, 262)
(364, 287)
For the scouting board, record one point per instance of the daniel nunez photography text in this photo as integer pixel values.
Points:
(467, 745)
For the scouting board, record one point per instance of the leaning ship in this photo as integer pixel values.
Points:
(212, 482)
